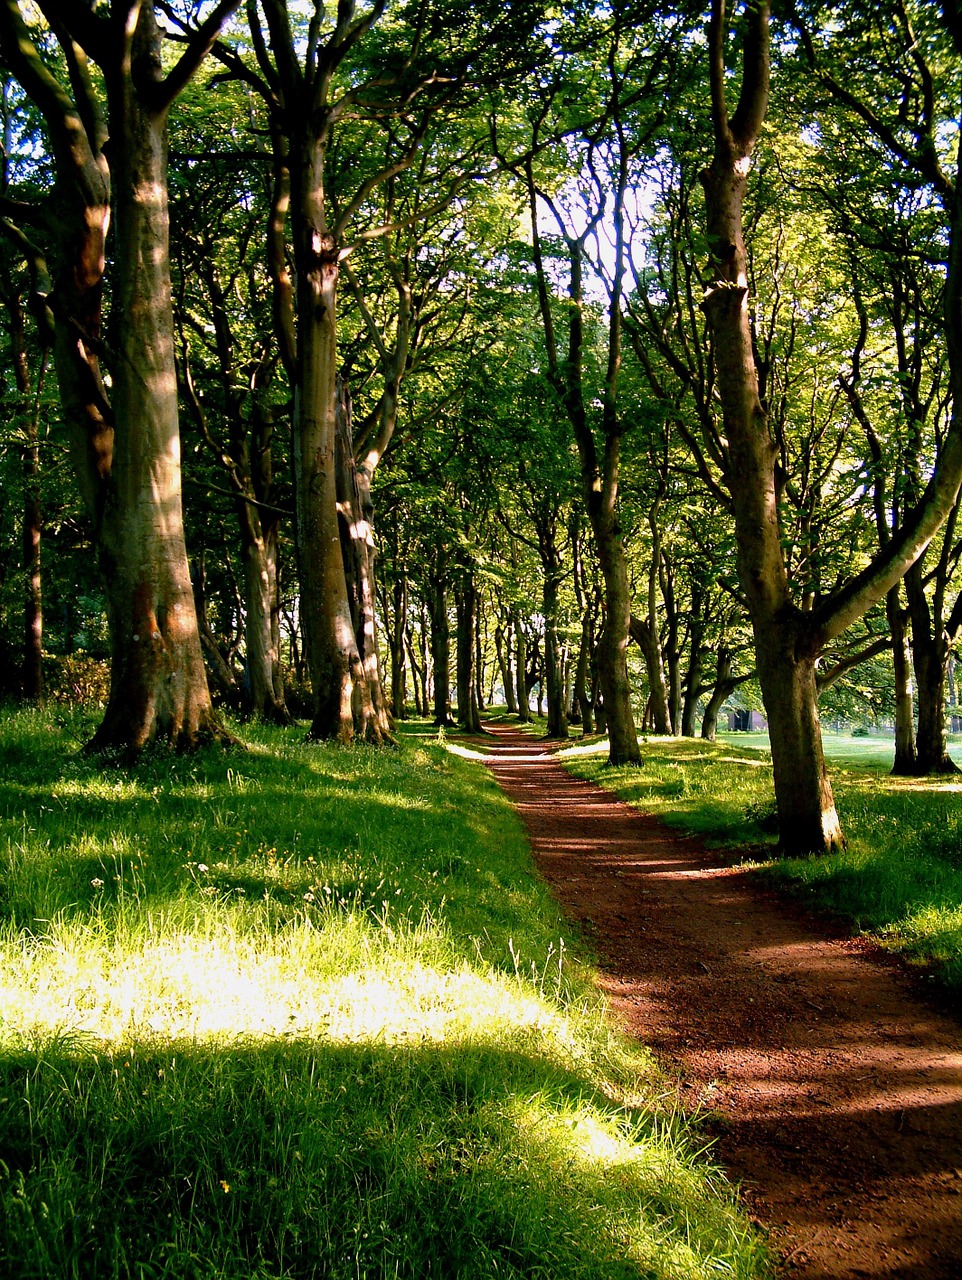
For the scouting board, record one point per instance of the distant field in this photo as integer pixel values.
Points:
(843, 749)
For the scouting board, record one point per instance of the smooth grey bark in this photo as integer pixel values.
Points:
(355, 508)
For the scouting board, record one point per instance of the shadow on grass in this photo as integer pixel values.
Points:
(308, 1159)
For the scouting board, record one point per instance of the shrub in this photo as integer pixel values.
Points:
(76, 679)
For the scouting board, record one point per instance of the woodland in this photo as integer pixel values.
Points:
(386, 383)
(600, 355)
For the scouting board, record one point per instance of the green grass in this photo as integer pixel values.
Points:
(900, 877)
(306, 1011)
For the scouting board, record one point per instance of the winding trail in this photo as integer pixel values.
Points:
(835, 1090)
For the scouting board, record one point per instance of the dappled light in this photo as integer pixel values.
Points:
(383, 1012)
(480, 633)
(835, 1094)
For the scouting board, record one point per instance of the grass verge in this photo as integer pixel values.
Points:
(900, 877)
(305, 1011)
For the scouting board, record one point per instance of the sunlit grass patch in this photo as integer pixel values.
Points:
(306, 1011)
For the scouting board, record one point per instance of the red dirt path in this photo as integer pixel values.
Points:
(837, 1091)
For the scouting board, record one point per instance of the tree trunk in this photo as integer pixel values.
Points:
(478, 654)
(553, 656)
(646, 637)
(222, 675)
(355, 509)
(786, 653)
(723, 688)
(930, 657)
(808, 821)
(396, 640)
(612, 652)
(158, 686)
(342, 702)
(441, 648)
(466, 603)
(693, 685)
(521, 652)
(582, 701)
(906, 763)
(265, 692)
(502, 646)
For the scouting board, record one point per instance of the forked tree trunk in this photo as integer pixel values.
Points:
(129, 477)
(646, 637)
(724, 686)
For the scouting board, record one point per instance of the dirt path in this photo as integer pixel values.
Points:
(838, 1092)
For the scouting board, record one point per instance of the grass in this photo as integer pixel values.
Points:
(306, 1011)
(900, 876)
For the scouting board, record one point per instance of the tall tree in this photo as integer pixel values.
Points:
(610, 138)
(788, 639)
(126, 449)
(314, 82)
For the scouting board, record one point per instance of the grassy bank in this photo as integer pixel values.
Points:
(900, 877)
(302, 1011)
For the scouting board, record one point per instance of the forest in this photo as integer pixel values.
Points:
(393, 387)
(603, 354)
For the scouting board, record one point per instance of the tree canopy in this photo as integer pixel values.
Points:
(602, 357)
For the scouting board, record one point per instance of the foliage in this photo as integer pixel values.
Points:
(76, 679)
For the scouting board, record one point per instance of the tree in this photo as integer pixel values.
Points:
(326, 78)
(788, 639)
(608, 145)
(227, 366)
(126, 448)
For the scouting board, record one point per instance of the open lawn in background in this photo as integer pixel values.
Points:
(298, 1011)
(900, 877)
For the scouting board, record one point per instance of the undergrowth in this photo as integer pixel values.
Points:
(303, 1011)
(900, 876)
